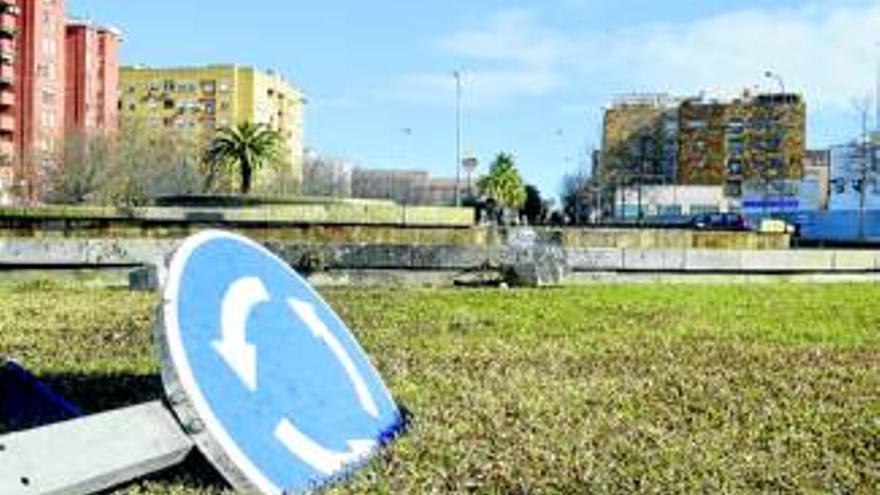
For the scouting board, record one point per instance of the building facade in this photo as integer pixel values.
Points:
(36, 64)
(671, 201)
(640, 140)
(732, 142)
(855, 176)
(758, 138)
(197, 101)
(33, 35)
(92, 81)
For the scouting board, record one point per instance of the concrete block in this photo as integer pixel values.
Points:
(144, 279)
(374, 257)
(92, 454)
(788, 261)
(581, 260)
(856, 261)
(656, 260)
(711, 260)
(540, 273)
(448, 257)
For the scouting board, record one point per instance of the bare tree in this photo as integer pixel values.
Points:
(131, 167)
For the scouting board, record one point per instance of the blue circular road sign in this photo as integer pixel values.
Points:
(263, 374)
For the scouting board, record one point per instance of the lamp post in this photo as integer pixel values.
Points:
(457, 75)
(776, 77)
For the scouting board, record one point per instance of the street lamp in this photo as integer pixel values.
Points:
(457, 75)
(772, 75)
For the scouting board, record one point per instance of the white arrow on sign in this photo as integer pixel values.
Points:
(238, 303)
(308, 315)
(328, 462)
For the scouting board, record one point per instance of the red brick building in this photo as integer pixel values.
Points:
(91, 101)
(35, 64)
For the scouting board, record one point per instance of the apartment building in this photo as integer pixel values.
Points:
(31, 92)
(753, 138)
(640, 140)
(35, 64)
(197, 101)
(705, 140)
(92, 76)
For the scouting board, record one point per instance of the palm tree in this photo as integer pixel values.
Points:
(248, 145)
(503, 183)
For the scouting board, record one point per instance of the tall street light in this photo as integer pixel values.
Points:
(457, 75)
(877, 94)
(772, 75)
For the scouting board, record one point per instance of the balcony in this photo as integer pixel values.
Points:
(7, 149)
(8, 7)
(7, 99)
(7, 32)
(7, 123)
(7, 76)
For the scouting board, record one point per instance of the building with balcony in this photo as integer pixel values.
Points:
(640, 140)
(753, 138)
(92, 76)
(197, 101)
(36, 63)
(38, 109)
(748, 144)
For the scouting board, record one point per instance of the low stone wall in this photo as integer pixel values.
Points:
(98, 252)
(329, 213)
(355, 223)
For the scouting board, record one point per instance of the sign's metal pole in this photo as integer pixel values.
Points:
(91, 454)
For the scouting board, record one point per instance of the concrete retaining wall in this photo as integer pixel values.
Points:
(103, 252)
(330, 213)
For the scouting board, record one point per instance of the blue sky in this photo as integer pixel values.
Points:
(537, 73)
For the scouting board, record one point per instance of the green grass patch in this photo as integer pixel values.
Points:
(617, 389)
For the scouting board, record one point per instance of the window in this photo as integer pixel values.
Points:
(669, 210)
(704, 209)
(734, 167)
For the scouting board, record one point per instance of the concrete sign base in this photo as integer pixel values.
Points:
(92, 454)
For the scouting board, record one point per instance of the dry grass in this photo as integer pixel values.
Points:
(649, 389)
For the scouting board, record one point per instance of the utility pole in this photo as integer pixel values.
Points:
(877, 92)
(457, 75)
(863, 180)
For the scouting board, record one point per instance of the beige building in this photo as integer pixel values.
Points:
(200, 100)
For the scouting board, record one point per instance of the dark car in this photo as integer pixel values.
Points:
(720, 221)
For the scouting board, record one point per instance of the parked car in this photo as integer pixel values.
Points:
(720, 221)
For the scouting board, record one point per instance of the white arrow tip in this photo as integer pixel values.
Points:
(361, 449)
(242, 359)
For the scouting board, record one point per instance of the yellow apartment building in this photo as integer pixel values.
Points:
(200, 100)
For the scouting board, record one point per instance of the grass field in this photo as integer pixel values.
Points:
(618, 389)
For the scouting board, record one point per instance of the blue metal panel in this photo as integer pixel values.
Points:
(26, 402)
